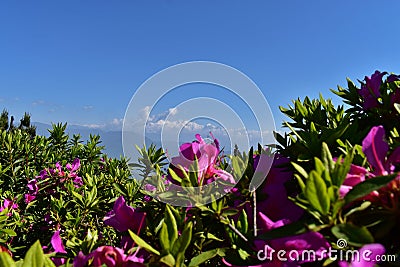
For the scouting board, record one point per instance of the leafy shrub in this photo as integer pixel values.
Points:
(334, 177)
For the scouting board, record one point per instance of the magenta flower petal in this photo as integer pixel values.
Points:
(42, 175)
(5, 205)
(56, 242)
(370, 90)
(58, 166)
(108, 256)
(207, 157)
(392, 78)
(276, 204)
(374, 83)
(76, 164)
(375, 250)
(32, 186)
(80, 260)
(375, 149)
(29, 198)
(124, 217)
(265, 224)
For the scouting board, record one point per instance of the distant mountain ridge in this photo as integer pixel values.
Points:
(112, 139)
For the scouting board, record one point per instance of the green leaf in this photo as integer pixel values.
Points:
(205, 256)
(316, 193)
(362, 207)
(243, 224)
(182, 244)
(243, 254)
(172, 226)
(354, 235)
(141, 243)
(169, 260)
(366, 187)
(34, 257)
(6, 260)
(174, 175)
(9, 232)
(300, 169)
(164, 237)
(48, 262)
(213, 237)
(397, 107)
(327, 157)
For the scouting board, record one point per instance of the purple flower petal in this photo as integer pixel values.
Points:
(29, 198)
(124, 217)
(76, 164)
(392, 78)
(56, 242)
(109, 256)
(370, 90)
(375, 149)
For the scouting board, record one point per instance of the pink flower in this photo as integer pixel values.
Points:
(32, 186)
(109, 256)
(370, 90)
(207, 156)
(9, 205)
(375, 149)
(75, 165)
(59, 170)
(29, 198)
(78, 182)
(124, 217)
(57, 247)
(42, 175)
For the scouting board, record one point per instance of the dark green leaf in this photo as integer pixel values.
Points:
(366, 187)
(205, 256)
(141, 243)
(352, 234)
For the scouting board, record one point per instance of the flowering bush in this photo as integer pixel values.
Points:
(334, 177)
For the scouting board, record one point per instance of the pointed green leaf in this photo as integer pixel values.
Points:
(205, 256)
(168, 260)
(327, 157)
(34, 257)
(141, 243)
(366, 187)
(316, 193)
(354, 235)
(172, 226)
(6, 260)
(164, 238)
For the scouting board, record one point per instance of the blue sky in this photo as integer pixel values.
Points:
(81, 61)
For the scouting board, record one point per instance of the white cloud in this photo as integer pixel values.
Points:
(38, 103)
(88, 107)
(94, 126)
(117, 122)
